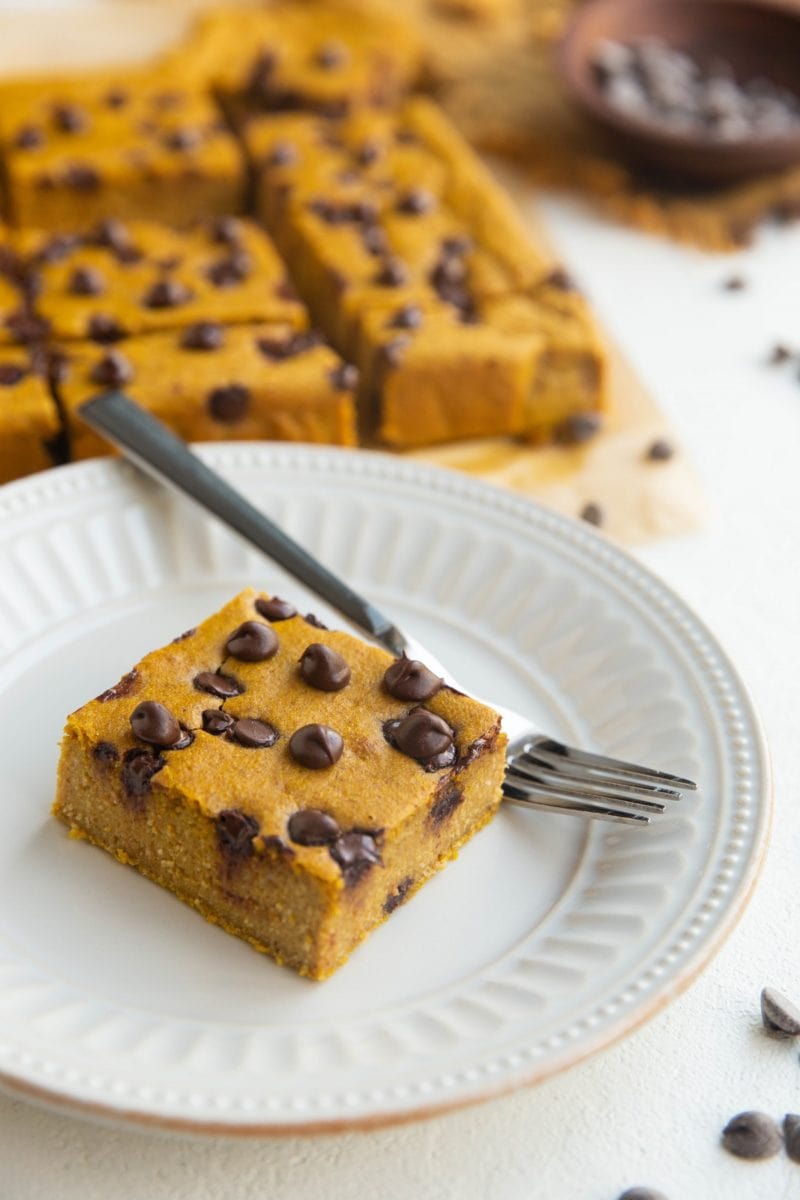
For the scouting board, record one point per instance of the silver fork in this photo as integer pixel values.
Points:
(541, 772)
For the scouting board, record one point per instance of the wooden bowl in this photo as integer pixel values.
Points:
(756, 38)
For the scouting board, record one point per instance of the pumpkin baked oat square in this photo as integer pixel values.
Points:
(292, 783)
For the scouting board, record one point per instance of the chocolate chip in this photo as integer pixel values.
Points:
(112, 370)
(313, 827)
(276, 349)
(28, 137)
(256, 734)
(112, 233)
(562, 280)
(407, 317)
(313, 619)
(229, 272)
(58, 247)
(126, 685)
(182, 637)
(423, 735)
(105, 329)
(780, 354)
(331, 55)
(415, 202)
(203, 335)
(227, 230)
(86, 281)
(116, 98)
(316, 746)
(25, 327)
(642, 1193)
(82, 177)
(216, 722)
(167, 293)
(374, 239)
(260, 80)
(271, 842)
(68, 118)
(368, 152)
(275, 609)
(446, 803)
(409, 679)
(592, 513)
(396, 898)
(338, 213)
(152, 722)
(344, 377)
(186, 738)
(252, 642)
(356, 853)
(660, 451)
(791, 1136)
(228, 403)
(456, 245)
(577, 428)
(235, 832)
(11, 374)
(282, 154)
(393, 273)
(780, 1016)
(752, 1135)
(138, 768)
(185, 137)
(734, 283)
(393, 352)
(106, 752)
(323, 668)
(218, 684)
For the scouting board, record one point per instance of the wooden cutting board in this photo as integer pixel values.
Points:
(639, 499)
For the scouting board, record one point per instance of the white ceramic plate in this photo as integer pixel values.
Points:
(547, 939)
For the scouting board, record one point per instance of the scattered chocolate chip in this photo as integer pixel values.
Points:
(253, 642)
(779, 354)
(316, 746)
(752, 1135)
(275, 609)
(216, 722)
(313, 827)
(356, 853)
(258, 735)
(86, 281)
(282, 154)
(446, 803)
(780, 1016)
(393, 273)
(577, 428)
(186, 738)
(235, 832)
(423, 735)
(415, 202)
(126, 685)
(407, 317)
(12, 374)
(660, 451)
(456, 245)
(203, 335)
(25, 327)
(28, 137)
(276, 349)
(331, 55)
(592, 513)
(396, 898)
(393, 352)
(58, 247)
(168, 99)
(218, 684)
(313, 619)
(152, 722)
(68, 118)
(323, 668)
(230, 272)
(642, 1193)
(271, 841)
(734, 283)
(344, 377)
(82, 177)
(116, 98)
(409, 679)
(374, 239)
(791, 1136)
(185, 137)
(105, 329)
(227, 230)
(112, 233)
(138, 768)
(112, 370)
(167, 293)
(368, 152)
(106, 752)
(561, 280)
(342, 213)
(228, 403)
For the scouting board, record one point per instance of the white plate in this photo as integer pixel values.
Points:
(547, 939)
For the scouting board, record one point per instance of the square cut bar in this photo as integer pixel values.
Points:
(125, 278)
(136, 145)
(30, 427)
(210, 382)
(292, 783)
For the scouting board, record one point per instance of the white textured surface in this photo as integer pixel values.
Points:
(648, 1110)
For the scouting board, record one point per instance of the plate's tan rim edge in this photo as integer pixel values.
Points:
(130, 1120)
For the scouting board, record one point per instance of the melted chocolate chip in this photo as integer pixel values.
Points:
(25, 327)
(68, 118)
(216, 722)
(393, 352)
(344, 377)
(82, 177)
(218, 684)
(660, 450)
(86, 281)
(323, 668)
(228, 403)
(125, 687)
(271, 841)
(235, 833)
(331, 55)
(282, 154)
(396, 898)
(185, 137)
(252, 642)
(258, 735)
(182, 637)
(28, 137)
(313, 619)
(152, 722)
(561, 280)
(313, 827)
(445, 803)
(105, 329)
(275, 609)
(227, 230)
(393, 273)
(374, 239)
(356, 853)
(577, 428)
(12, 374)
(316, 746)
(592, 513)
(203, 335)
(424, 736)
(106, 752)
(407, 317)
(752, 1135)
(415, 202)
(409, 679)
(138, 768)
(277, 349)
(112, 233)
(230, 272)
(57, 247)
(116, 98)
(112, 370)
(368, 152)
(167, 293)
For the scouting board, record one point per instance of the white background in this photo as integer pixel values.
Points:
(650, 1109)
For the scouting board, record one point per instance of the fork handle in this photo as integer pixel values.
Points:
(156, 450)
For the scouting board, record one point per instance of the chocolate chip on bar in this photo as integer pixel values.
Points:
(323, 668)
(253, 642)
(218, 684)
(258, 735)
(313, 827)
(152, 722)
(409, 679)
(316, 746)
(275, 609)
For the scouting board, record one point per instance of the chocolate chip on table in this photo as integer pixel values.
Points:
(69, 118)
(218, 684)
(235, 832)
(203, 335)
(153, 722)
(228, 403)
(313, 827)
(216, 722)
(258, 735)
(415, 202)
(356, 853)
(24, 327)
(331, 54)
(167, 293)
(324, 668)
(105, 329)
(374, 239)
(138, 768)
(393, 273)
(313, 619)
(409, 679)
(752, 1135)
(12, 374)
(253, 642)
(734, 283)
(780, 353)
(116, 97)
(275, 609)
(112, 370)
(396, 898)
(86, 281)
(28, 137)
(344, 377)
(422, 734)
(409, 316)
(660, 451)
(791, 1136)
(124, 687)
(592, 513)
(316, 746)
(642, 1193)
(780, 1016)
(577, 428)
